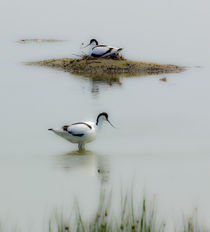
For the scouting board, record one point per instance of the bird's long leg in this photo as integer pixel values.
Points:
(81, 147)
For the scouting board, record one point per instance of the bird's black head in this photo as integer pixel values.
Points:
(103, 117)
(103, 114)
(94, 41)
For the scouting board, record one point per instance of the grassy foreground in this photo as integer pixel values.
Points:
(118, 66)
(132, 217)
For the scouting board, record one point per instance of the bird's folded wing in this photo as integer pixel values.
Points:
(78, 129)
(99, 50)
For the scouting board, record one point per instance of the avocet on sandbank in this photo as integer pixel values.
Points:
(97, 50)
(82, 132)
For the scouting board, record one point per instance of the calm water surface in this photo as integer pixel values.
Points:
(163, 131)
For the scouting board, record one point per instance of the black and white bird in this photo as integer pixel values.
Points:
(97, 50)
(82, 132)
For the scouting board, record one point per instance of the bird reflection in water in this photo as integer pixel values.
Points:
(97, 82)
(110, 78)
(88, 162)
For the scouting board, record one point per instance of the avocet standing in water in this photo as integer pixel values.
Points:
(97, 50)
(82, 132)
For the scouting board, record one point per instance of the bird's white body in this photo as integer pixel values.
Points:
(97, 50)
(81, 132)
(103, 51)
(84, 132)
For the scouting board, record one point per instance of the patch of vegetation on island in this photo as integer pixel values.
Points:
(116, 66)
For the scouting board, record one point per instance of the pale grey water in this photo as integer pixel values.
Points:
(162, 140)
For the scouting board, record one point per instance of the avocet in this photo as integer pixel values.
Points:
(97, 50)
(82, 132)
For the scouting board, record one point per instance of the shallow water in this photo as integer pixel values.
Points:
(162, 138)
